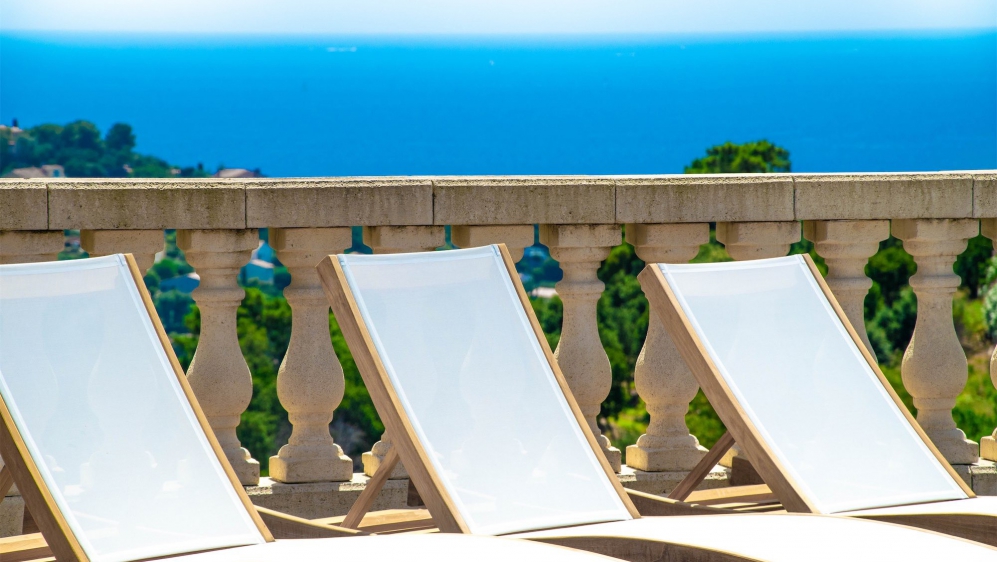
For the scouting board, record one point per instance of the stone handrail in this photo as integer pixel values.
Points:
(757, 216)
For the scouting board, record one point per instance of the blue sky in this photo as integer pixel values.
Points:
(493, 16)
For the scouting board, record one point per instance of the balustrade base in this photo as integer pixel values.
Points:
(981, 476)
(372, 462)
(662, 483)
(297, 471)
(315, 500)
(615, 458)
(988, 448)
(11, 516)
(331, 499)
(247, 469)
(664, 460)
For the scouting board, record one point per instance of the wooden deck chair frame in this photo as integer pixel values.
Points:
(56, 531)
(740, 428)
(407, 448)
(410, 451)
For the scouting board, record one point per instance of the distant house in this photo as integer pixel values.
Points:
(544, 292)
(182, 283)
(54, 171)
(260, 266)
(260, 270)
(46, 171)
(237, 173)
(14, 132)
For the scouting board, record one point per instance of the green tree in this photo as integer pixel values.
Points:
(756, 157)
(120, 138)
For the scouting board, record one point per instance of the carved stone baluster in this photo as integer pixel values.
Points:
(218, 372)
(846, 247)
(580, 249)
(142, 244)
(755, 241)
(988, 445)
(395, 240)
(310, 382)
(934, 367)
(662, 378)
(515, 237)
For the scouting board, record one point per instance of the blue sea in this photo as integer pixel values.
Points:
(332, 105)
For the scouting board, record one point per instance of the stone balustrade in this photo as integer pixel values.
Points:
(580, 218)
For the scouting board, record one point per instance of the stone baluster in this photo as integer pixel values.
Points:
(988, 445)
(218, 373)
(580, 249)
(755, 241)
(846, 247)
(310, 383)
(142, 244)
(934, 367)
(661, 376)
(515, 237)
(28, 246)
(395, 240)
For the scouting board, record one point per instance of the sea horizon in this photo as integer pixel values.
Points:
(320, 105)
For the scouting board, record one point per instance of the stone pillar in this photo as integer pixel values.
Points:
(142, 244)
(846, 247)
(310, 383)
(218, 373)
(661, 376)
(515, 237)
(934, 367)
(755, 241)
(395, 240)
(580, 249)
(988, 445)
(27, 246)
(403, 239)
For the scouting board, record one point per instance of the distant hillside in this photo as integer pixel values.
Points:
(82, 152)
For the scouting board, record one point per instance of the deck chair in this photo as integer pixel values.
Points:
(797, 389)
(113, 456)
(484, 423)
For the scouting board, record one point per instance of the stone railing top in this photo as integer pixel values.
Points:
(49, 204)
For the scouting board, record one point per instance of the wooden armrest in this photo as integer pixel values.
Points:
(24, 547)
(284, 526)
(752, 493)
(388, 521)
(652, 505)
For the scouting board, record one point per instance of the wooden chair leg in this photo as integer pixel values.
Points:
(702, 470)
(6, 481)
(370, 492)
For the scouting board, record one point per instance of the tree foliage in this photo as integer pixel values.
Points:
(83, 152)
(758, 157)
